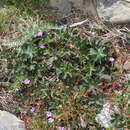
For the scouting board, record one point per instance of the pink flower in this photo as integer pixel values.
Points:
(42, 46)
(49, 114)
(40, 34)
(111, 59)
(26, 81)
(32, 109)
(61, 128)
(50, 120)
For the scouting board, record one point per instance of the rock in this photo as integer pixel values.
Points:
(114, 11)
(10, 122)
(110, 11)
(64, 6)
(105, 78)
(2, 4)
(126, 66)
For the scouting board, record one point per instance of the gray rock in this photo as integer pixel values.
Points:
(112, 11)
(64, 6)
(10, 122)
(2, 4)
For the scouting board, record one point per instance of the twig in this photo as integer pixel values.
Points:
(77, 24)
(71, 26)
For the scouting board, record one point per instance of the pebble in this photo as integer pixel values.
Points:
(126, 66)
(105, 78)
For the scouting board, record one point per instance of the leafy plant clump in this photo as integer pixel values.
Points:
(55, 71)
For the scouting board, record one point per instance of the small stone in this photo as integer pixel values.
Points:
(105, 78)
(127, 77)
(126, 66)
